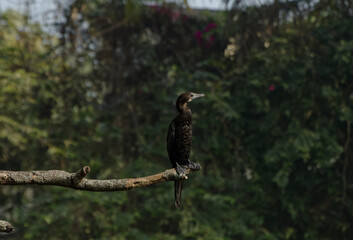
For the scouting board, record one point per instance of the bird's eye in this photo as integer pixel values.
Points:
(191, 95)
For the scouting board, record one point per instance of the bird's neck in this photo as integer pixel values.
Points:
(183, 107)
(184, 110)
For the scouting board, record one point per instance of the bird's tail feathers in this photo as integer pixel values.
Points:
(178, 186)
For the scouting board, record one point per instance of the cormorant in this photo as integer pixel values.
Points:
(179, 141)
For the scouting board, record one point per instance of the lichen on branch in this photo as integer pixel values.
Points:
(6, 227)
(79, 182)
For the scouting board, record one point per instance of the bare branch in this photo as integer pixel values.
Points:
(80, 174)
(78, 182)
(6, 227)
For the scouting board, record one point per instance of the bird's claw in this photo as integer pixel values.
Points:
(181, 170)
(194, 166)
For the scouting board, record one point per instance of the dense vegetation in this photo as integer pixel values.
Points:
(273, 134)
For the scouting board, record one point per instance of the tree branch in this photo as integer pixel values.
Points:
(78, 182)
(6, 227)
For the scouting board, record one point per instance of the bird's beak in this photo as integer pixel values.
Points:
(196, 95)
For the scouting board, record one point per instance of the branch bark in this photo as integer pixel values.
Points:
(78, 181)
(6, 227)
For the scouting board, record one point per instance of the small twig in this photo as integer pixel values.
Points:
(80, 174)
(111, 28)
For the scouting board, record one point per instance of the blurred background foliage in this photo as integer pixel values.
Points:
(273, 134)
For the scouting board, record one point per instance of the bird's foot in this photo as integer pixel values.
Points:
(181, 170)
(194, 166)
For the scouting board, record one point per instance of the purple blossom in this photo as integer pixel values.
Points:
(210, 26)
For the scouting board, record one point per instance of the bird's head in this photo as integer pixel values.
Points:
(185, 98)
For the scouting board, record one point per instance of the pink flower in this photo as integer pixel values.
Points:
(198, 36)
(210, 26)
(271, 87)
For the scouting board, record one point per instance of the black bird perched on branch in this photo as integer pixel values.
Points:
(179, 141)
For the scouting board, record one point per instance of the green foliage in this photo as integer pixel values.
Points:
(272, 135)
